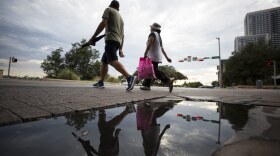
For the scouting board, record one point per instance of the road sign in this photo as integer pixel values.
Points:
(215, 57)
(194, 58)
(189, 58)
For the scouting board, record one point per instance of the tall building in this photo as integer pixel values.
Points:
(241, 41)
(259, 26)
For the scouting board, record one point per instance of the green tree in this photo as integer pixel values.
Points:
(215, 83)
(121, 79)
(53, 64)
(185, 84)
(192, 84)
(237, 115)
(79, 119)
(195, 84)
(83, 61)
(112, 79)
(170, 72)
(249, 65)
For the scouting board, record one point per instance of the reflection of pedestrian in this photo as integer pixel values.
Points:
(87, 146)
(153, 51)
(109, 141)
(114, 26)
(150, 129)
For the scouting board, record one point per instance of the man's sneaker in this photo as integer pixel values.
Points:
(99, 84)
(145, 88)
(170, 86)
(131, 82)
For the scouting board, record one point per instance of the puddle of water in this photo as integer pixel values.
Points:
(165, 128)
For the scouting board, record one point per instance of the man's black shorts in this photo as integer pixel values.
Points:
(110, 54)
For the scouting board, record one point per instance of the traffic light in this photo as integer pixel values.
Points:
(269, 63)
(14, 59)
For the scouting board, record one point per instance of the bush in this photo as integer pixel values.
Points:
(68, 75)
(95, 78)
(113, 80)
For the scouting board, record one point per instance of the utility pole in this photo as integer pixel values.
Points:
(220, 67)
(9, 67)
(274, 78)
(12, 59)
(220, 108)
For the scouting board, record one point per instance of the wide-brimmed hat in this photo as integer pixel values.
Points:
(156, 26)
(114, 4)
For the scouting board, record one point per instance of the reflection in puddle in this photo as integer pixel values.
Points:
(146, 128)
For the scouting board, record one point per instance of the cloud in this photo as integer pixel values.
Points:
(31, 29)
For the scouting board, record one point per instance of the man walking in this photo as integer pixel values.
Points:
(114, 29)
(153, 51)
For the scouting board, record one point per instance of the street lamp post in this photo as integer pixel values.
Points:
(274, 78)
(12, 59)
(220, 67)
(9, 67)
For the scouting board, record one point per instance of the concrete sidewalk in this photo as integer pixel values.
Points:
(25, 100)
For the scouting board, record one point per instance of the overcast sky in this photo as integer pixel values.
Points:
(31, 29)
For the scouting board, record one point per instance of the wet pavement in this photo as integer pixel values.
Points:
(152, 127)
(191, 121)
